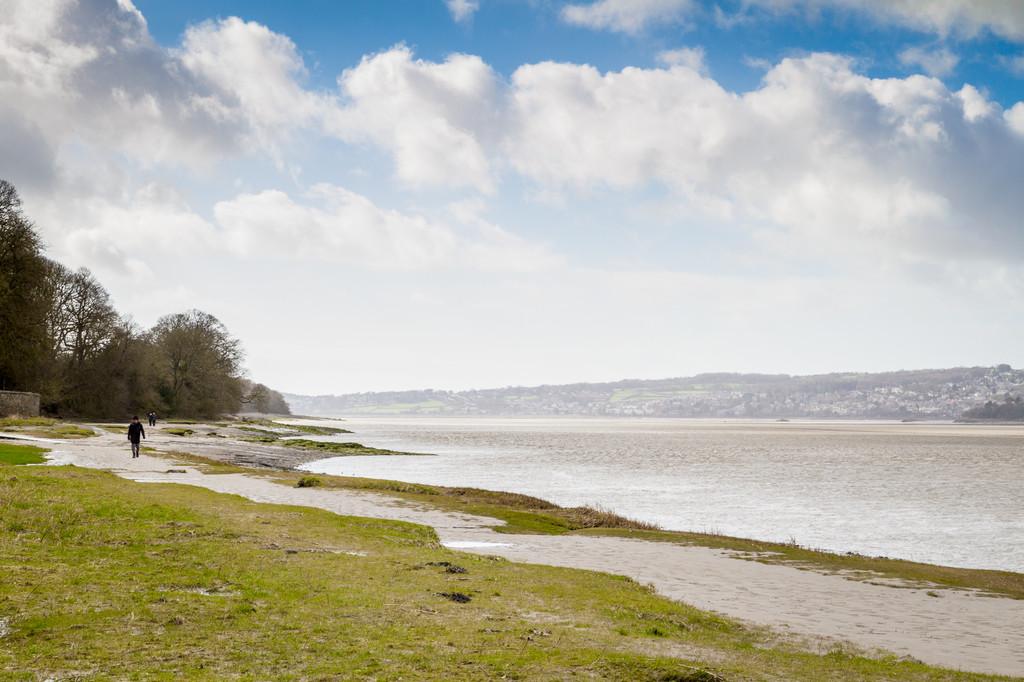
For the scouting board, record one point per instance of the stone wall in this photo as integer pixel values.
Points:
(18, 403)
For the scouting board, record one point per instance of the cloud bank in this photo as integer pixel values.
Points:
(960, 18)
(817, 155)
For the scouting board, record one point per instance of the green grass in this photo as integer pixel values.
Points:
(291, 429)
(21, 454)
(7, 422)
(521, 513)
(103, 576)
(340, 449)
(334, 448)
(204, 464)
(44, 427)
(118, 428)
(71, 431)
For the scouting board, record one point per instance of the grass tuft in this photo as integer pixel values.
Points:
(12, 455)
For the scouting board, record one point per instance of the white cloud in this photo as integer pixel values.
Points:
(342, 227)
(124, 233)
(1015, 64)
(88, 74)
(891, 168)
(975, 104)
(126, 152)
(690, 57)
(435, 118)
(254, 78)
(966, 18)
(627, 16)
(462, 10)
(935, 62)
(132, 233)
(1015, 118)
(338, 225)
(902, 168)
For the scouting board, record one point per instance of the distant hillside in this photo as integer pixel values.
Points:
(917, 394)
(1010, 410)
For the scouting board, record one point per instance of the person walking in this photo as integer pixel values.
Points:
(135, 435)
(152, 418)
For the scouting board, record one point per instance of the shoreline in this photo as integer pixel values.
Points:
(715, 477)
(262, 457)
(957, 628)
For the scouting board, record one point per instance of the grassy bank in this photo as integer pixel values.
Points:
(340, 449)
(279, 427)
(104, 576)
(526, 514)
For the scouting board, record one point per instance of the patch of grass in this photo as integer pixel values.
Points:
(204, 464)
(257, 429)
(119, 429)
(521, 513)
(11, 455)
(340, 449)
(309, 482)
(44, 427)
(71, 431)
(269, 439)
(103, 575)
(291, 429)
(179, 431)
(7, 422)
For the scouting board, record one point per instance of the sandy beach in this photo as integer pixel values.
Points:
(952, 628)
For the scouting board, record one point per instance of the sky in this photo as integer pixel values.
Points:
(451, 194)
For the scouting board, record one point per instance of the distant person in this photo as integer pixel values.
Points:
(152, 418)
(135, 435)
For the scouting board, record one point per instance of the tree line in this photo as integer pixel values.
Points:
(61, 337)
(1011, 409)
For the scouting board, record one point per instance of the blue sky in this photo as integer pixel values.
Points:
(452, 194)
(507, 33)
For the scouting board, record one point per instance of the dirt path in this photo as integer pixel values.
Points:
(955, 629)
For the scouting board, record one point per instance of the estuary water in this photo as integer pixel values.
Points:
(948, 494)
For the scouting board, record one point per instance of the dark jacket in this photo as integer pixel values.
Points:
(136, 432)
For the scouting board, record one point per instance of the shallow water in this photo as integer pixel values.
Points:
(940, 493)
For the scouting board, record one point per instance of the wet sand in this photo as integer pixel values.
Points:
(956, 629)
